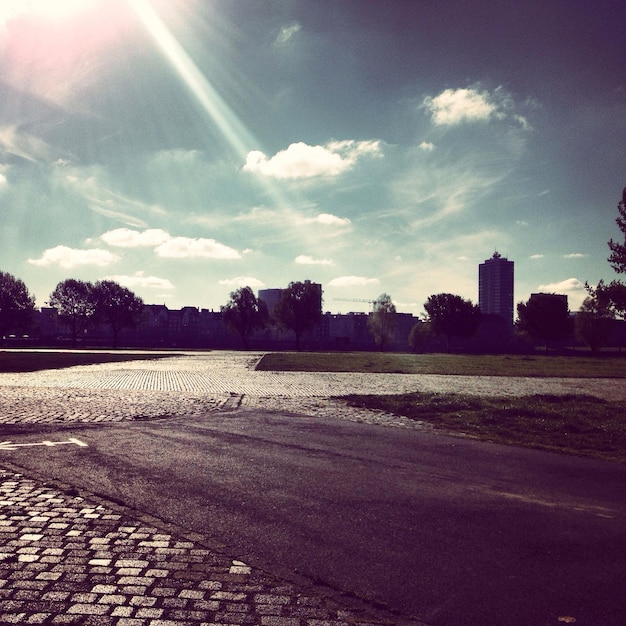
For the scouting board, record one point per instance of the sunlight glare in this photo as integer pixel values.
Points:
(45, 9)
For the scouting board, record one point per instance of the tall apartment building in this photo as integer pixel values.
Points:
(495, 287)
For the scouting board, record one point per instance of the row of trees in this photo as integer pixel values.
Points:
(80, 305)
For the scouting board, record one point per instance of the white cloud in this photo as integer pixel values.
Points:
(308, 260)
(575, 255)
(69, 258)
(329, 220)
(138, 279)
(456, 106)
(426, 146)
(300, 160)
(187, 247)
(287, 32)
(536, 256)
(352, 281)
(243, 281)
(127, 238)
(23, 145)
(570, 285)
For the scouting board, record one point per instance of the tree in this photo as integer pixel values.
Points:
(116, 306)
(73, 299)
(594, 321)
(300, 307)
(244, 313)
(17, 306)
(419, 335)
(617, 259)
(452, 316)
(544, 317)
(382, 320)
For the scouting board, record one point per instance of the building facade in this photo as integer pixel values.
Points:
(495, 287)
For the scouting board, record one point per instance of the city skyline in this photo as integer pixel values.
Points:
(188, 148)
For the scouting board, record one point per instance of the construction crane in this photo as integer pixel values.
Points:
(372, 302)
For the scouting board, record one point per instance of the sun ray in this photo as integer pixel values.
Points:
(237, 135)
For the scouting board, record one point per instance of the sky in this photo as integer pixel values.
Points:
(186, 148)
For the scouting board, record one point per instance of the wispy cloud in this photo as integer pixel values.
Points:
(353, 281)
(242, 281)
(575, 255)
(301, 160)
(190, 248)
(70, 258)
(426, 146)
(536, 256)
(24, 145)
(287, 32)
(308, 260)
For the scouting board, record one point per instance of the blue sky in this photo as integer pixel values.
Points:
(188, 147)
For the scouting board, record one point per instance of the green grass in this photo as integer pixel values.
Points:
(573, 424)
(34, 361)
(545, 366)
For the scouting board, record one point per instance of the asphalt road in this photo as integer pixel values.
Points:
(447, 530)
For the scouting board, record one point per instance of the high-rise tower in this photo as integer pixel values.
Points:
(495, 287)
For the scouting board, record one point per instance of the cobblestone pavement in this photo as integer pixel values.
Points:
(67, 558)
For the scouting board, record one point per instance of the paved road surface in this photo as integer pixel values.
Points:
(447, 530)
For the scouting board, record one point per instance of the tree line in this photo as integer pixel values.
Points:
(544, 317)
(79, 304)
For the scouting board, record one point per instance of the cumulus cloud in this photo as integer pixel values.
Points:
(243, 281)
(300, 160)
(308, 260)
(352, 281)
(139, 279)
(127, 238)
(187, 248)
(466, 105)
(565, 286)
(329, 220)
(69, 258)
(427, 146)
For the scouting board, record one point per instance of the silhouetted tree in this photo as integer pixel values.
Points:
(299, 308)
(452, 316)
(382, 321)
(73, 299)
(116, 306)
(419, 335)
(17, 306)
(544, 317)
(244, 313)
(617, 259)
(594, 320)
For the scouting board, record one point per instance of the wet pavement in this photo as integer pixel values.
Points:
(74, 558)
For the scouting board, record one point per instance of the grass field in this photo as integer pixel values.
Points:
(33, 361)
(460, 364)
(575, 424)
